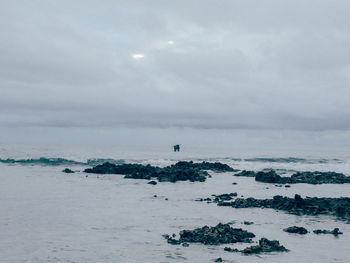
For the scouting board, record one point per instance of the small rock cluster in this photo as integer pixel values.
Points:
(296, 230)
(220, 234)
(334, 232)
(264, 246)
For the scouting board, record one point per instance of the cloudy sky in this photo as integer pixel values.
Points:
(200, 65)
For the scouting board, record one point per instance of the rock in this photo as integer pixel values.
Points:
(234, 183)
(152, 182)
(264, 246)
(335, 232)
(287, 186)
(245, 173)
(224, 197)
(185, 244)
(182, 171)
(204, 200)
(299, 177)
(268, 177)
(296, 230)
(215, 167)
(248, 223)
(339, 207)
(68, 171)
(218, 260)
(154, 195)
(220, 234)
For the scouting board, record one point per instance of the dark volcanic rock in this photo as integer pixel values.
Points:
(220, 234)
(218, 260)
(335, 232)
(339, 207)
(224, 197)
(152, 182)
(216, 167)
(296, 230)
(181, 171)
(299, 177)
(320, 178)
(264, 246)
(68, 171)
(246, 173)
(218, 198)
(269, 177)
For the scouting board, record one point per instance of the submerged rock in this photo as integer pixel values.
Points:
(339, 207)
(181, 171)
(296, 230)
(68, 171)
(220, 234)
(264, 246)
(335, 232)
(299, 177)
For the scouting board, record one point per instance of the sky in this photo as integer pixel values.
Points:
(157, 70)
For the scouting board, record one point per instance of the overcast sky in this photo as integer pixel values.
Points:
(229, 65)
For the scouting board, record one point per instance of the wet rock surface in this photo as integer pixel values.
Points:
(68, 171)
(218, 198)
(296, 230)
(220, 234)
(339, 207)
(181, 171)
(246, 173)
(264, 246)
(299, 177)
(334, 232)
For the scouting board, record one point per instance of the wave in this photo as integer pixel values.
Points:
(293, 160)
(58, 161)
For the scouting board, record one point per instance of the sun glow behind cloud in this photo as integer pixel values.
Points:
(137, 56)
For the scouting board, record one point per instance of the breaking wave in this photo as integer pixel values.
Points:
(293, 160)
(58, 161)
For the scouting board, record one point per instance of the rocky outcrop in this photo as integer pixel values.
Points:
(271, 176)
(220, 234)
(264, 246)
(246, 173)
(335, 232)
(68, 171)
(181, 171)
(296, 230)
(215, 167)
(218, 198)
(339, 207)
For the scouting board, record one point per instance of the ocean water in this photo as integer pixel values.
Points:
(50, 216)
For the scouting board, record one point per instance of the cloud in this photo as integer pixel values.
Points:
(205, 65)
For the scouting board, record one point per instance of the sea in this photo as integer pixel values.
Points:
(50, 216)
